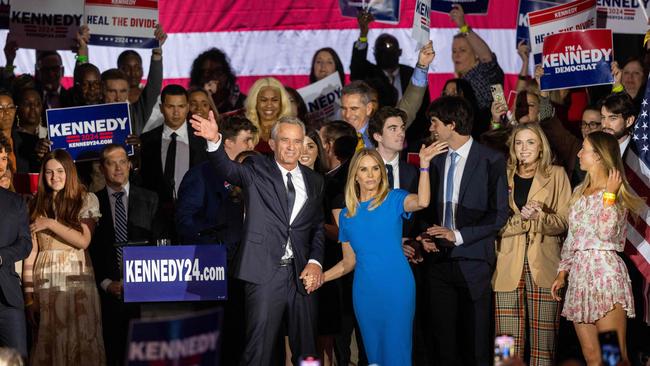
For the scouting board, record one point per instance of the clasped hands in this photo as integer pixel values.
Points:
(312, 277)
(531, 210)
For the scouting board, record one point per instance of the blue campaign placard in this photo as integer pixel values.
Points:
(84, 131)
(469, 6)
(174, 273)
(525, 7)
(181, 340)
(384, 11)
(577, 59)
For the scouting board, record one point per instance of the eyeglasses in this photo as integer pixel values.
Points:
(4, 109)
(590, 125)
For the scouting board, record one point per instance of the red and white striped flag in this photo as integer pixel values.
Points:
(278, 38)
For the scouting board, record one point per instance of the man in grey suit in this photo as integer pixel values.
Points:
(282, 241)
(15, 245)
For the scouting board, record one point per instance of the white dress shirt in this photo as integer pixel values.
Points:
(182, 163)
(463, 154)
(623, 145)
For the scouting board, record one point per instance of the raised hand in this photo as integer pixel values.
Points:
(457, 15)
(427, 54)
(523, 50)
(498, 109)
(206, 128)
(429, 152)
(11, 46)
(616, 73)
(614, 181)
(364, 18)
(160, 35)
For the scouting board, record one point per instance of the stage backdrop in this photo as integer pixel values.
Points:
(278, 38)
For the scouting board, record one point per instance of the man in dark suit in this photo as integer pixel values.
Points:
(283, 238)
(15, 245)
(470, 208)
(169, 151)
(128, 214)
(388, 76)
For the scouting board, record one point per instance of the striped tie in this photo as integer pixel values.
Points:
(120, 226)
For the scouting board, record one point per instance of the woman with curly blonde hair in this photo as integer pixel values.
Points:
(267, 101)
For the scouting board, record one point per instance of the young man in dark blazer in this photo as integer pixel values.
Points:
(283, 238)
(15, 245)
(133, 218)
(169, 151)
(470, 208)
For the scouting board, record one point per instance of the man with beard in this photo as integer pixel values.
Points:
(388, 72)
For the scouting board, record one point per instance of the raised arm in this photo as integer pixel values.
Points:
(481, 49)
(415, 91)
(415, 202)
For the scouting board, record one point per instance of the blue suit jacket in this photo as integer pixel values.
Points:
(267, 227)
(15, 244)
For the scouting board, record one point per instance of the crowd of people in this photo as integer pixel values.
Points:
(502, 221)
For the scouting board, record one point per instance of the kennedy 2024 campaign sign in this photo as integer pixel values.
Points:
(127, 23)
(84, 131)
(181, 340)
(174, 273)
(45, 25)
(579, 58)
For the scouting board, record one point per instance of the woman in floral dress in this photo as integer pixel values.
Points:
(599, 293)
(60, 294)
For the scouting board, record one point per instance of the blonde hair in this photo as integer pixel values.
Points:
(606, 147)
(251, 101)
(352, 188)
(546, 158)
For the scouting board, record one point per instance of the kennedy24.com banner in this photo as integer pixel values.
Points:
(84, 131)
(575, 59)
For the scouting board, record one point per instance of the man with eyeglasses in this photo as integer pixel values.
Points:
(49, 71)
(566, 145)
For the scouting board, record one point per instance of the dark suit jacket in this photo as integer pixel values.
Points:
(267, 226)
(24, 146)
(152, 167)
(362, 69)
(482, 202)
(206, 211)
(141, 226)
(408, 177)
(15, 244)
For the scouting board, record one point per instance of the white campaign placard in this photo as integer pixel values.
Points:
(422, 22)
(129, 25)
(323, 99)
(576, 15)
(46, 25)
(629, 17)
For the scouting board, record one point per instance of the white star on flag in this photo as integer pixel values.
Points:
(644, 114)
(644, 103)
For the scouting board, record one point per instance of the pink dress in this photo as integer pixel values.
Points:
(598, 278)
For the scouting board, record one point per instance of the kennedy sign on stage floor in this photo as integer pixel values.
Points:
(182, 340)
(84, 131)
(576, 15)
(122, 23)
(575, 59)
(45, 25)
(174, 273)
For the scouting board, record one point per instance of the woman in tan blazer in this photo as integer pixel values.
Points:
(528, 248)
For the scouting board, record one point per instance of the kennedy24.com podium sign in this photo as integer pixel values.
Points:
(576, 59)
(84, 131)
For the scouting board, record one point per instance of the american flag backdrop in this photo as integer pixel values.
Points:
(278, 38)
(637, 166)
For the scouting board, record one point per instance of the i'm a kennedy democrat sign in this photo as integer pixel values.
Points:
(84, 131)
(575, 59)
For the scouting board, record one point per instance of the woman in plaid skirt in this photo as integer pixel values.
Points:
(528, 250)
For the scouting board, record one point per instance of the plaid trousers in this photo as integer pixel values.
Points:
(535, 305)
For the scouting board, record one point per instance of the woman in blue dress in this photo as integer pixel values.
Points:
(370, 228)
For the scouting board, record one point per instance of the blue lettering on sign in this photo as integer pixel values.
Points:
(324, 100)
(423, 9)
(630, 4)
